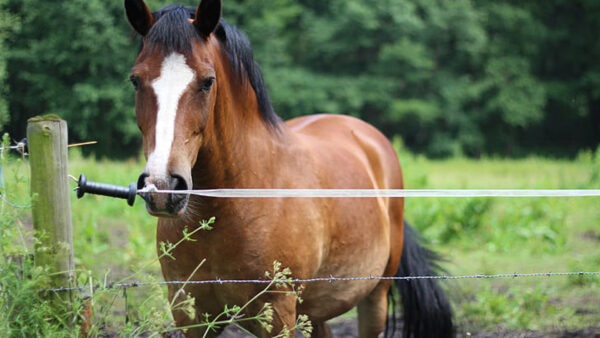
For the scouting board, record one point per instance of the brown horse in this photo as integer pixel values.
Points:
(207, 122)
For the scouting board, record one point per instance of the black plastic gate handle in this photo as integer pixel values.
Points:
(96, 188)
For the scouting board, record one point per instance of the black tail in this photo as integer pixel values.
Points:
(427, 312)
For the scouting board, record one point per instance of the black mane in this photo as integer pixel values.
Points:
(173, 33)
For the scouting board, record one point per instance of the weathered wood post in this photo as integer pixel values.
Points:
(47, 139)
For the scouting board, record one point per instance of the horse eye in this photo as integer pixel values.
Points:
(135, 81)
(207, 84)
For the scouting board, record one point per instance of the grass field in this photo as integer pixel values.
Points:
(115, 242)
(502, 235)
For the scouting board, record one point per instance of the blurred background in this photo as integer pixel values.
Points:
(473, 94)
(473, 78)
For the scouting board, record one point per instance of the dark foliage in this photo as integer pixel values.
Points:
(460, 77)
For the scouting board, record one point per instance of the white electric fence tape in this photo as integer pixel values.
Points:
(274, 193)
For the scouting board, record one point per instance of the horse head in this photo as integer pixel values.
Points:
(174, 77)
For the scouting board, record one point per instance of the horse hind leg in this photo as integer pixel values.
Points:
(321, 330)
(427, 311)
(372, 311)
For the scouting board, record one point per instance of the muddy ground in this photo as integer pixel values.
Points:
(348, 328)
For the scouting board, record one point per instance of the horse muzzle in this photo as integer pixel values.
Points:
(164, 204)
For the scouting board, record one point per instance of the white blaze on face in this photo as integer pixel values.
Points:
(175, 76)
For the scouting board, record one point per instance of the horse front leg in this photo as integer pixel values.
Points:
(283, 317)
(188, 313)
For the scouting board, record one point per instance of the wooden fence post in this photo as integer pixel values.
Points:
(47, 141)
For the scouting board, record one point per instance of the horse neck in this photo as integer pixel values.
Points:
(239, 146)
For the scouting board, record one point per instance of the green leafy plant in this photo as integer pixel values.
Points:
(512, 308)
(281, 282)
(115, 242)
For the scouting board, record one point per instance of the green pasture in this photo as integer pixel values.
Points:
(114, 242)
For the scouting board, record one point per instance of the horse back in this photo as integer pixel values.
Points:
(349, 137)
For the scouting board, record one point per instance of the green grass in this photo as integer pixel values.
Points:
(113, 241)
(507, 235)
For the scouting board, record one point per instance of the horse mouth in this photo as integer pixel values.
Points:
(175, 206)
(164, 204)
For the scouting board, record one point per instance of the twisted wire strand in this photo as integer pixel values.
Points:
(12, 204)
(330, 279)
(10, 148)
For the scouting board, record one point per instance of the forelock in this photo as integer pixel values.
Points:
(173, 31)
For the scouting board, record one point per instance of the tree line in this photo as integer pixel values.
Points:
(450, 77)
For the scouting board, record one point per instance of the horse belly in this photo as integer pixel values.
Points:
(359, 247)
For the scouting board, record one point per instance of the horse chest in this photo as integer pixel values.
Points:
(236, 248)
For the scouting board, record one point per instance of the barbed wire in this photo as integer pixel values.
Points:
(20, 147)
(271, 193)
(14, 205)
(330, 279)
(9, 148)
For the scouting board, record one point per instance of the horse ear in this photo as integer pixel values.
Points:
(208, 15)
(139, 16)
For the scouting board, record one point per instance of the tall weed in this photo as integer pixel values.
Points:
(28, 310)
(25, 311)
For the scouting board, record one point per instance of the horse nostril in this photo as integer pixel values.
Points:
(141, 183)
(178, 201)
(178, 183)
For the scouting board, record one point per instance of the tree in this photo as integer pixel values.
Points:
(8, 25)
(71, 58)
(463, 76)
(568, 68)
